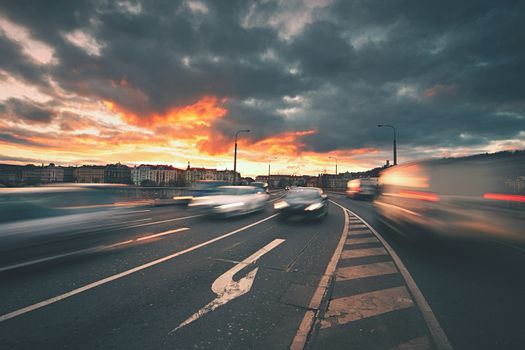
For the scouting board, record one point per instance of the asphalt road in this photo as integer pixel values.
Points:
(161, 277)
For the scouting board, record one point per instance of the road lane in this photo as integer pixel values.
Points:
(118, 313)
(474, 288)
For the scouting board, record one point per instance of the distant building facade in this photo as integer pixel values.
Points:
(89, 174)
(193, 174)
(117, 174)
(157, 175)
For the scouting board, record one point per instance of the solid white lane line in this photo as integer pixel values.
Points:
(162, 221)
(120, 243)
(124, 273)
(135, 211)
(87, 250)
(439, 336)
(356, 307)
(305, 327)
(227, 289)
(50, 258)
(163, 233)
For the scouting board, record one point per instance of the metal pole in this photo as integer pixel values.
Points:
(235, 162)
(235, 156)
(334, 158)
(395, 140)
(395, 148)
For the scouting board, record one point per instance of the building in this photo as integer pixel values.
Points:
(31, 174)
(193, 175)
(89, 174)
(157, 175)
(10, 175)
(333, 181)
(117, 174)
(51, 173)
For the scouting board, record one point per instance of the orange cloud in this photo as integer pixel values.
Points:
(197, 115)
(287, 143)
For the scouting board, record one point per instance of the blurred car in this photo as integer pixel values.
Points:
(262, 185)
(473, 197)
(37, 215)
(199, 189)
(362, 188)
(303, 203)
(229, 201)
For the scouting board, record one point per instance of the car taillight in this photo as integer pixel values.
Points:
(505, 197)
(422, 195)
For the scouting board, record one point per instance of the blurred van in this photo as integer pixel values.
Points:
(481, 196)
(365, 188)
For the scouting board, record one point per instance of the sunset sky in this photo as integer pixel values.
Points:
(167, 82)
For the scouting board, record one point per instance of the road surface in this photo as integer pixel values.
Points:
(164, 277)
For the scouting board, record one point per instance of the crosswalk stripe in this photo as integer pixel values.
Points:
(362, 240)
(358, 253)
(361, 271)
(356, 307)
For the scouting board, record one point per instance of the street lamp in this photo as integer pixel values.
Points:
(395, 148)
(269, 160)
(335, 163)
(235, 156)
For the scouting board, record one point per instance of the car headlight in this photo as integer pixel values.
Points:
(280, 205)
(231, 205)
(314, 206)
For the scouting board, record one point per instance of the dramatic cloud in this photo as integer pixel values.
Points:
(311, 79)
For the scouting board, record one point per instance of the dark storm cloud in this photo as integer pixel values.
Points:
(447, 73)
(29, 112)
(14, 62)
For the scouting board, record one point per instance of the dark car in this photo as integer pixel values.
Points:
(303, 203)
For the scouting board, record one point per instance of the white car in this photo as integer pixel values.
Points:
(232, 201)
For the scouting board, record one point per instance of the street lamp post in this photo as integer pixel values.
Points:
(395, 147)
(235, 156)
(269, 160)
(335, 163)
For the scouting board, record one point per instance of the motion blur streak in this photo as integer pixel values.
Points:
(426, 196)
(505, 197)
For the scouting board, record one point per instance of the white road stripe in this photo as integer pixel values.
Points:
(299, 341)
(135, 211)
(438, 335)
(361, 271)
(124, 273)
(163, 221)
(163, 233)
(362, 240)
(356, 307)
(361, 253)
(88, 250)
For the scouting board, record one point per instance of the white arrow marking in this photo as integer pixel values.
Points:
(227, 289)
